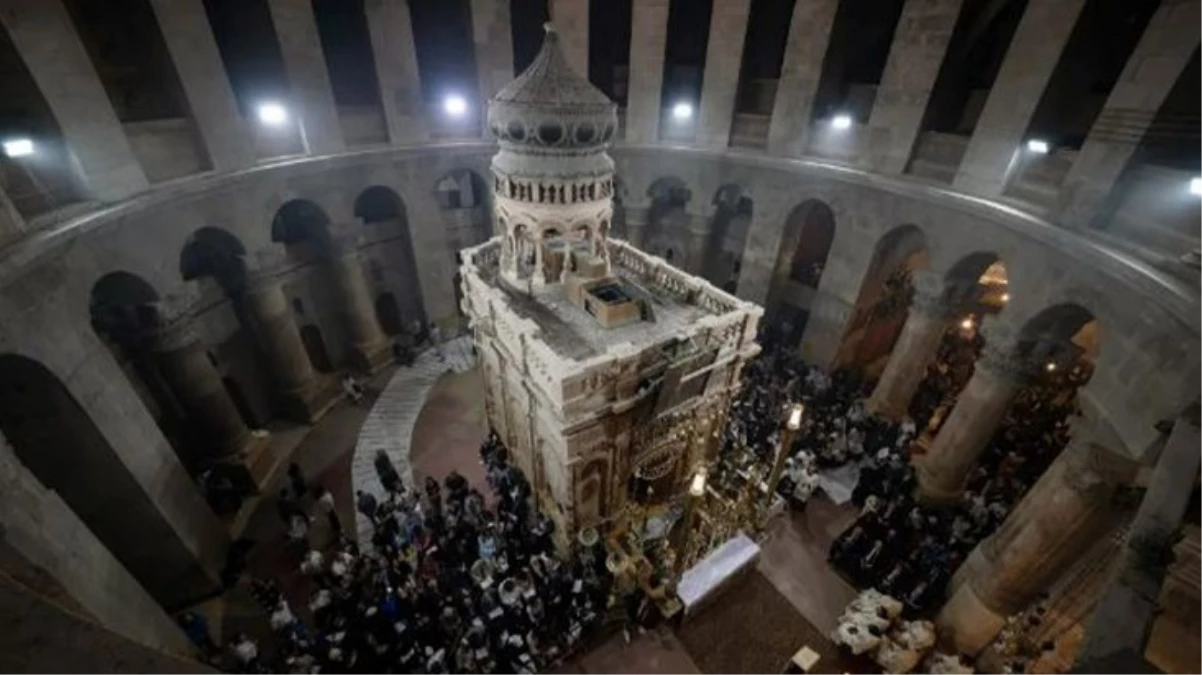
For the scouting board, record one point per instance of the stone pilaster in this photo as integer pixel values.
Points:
(189, 37)
(272, 324)
(197, 385)
(571, 22)
(915, 349)
(1044, 534)
(370, 349)
(44, 37)
(919, 43)
(805, 52)
(493, 37)
(648, 40)
(1123, 617)
(723, 56)
(300, 45)
(1000, 372)
(1168, 42)
(1032, 56)
(391, 30)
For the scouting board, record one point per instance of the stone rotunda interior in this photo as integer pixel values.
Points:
(657, 336)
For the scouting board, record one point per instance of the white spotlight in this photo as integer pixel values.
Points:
(682, 112)
(18, 147)
(454, 105)
(1038, 147)
(273, 114)
(841, 122)
(1195, 186)
(1051, 366)
(966, 324)
(1005, 297)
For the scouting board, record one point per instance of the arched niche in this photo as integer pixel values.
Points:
(666, 232)
(59, 443)
(722, 259)
(883, 302)
(389, 251)
(805, 245)
(216, 254)
(464, 199)
(304, 229)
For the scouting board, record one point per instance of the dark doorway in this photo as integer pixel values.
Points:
(245, 410)
(388, 312)
(315, 347)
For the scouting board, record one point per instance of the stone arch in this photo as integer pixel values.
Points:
(1062, 336)
(800, 260)
(303, 228)
(727, 235)
(214, 253)
(58, 442)
(388, 247)
(883, 303)
(666, 231)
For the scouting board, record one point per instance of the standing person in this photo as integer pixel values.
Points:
(352, 389)
(386, 472)
(196, 627)
(325, 506)
(436, 340)
(367, 505)
(296, 479)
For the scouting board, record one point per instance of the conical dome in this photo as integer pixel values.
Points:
(549, 105)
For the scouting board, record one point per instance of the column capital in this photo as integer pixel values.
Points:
(1000, 357)
(930, 295)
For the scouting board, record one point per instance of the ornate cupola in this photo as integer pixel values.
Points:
(552, 176)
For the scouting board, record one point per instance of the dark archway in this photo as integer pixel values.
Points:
(733, 210)
(315, 347)
(55, 438)
(388, 313)
(800, 260)
(389, 247)
(303, 228)
(883, 303)
(214, 253)
(666, 231)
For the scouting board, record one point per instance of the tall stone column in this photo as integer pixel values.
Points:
(1032, 56)
(1039, 541)
(1123, 618)
(919, 43)
(271, 322)
(648, 40)
(801, 71)
(197, 385)
(723, 56)
(391, 30)
(45, 38)
(189, 37)
(493, 37)
(1162, 53)
(979, 410)
(571, 22)
(915, 348)
(370, 349)
(300, 45)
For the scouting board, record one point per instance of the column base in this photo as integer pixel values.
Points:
(966, 623)
(311, 403)
(371, 359)
(245, 467)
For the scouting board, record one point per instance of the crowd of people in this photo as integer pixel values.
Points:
(452, 581)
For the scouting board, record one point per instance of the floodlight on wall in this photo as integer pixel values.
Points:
(273, 114)
(841, 122)
(18, 147)
(1038, 147)
(1195, 186)
(682, 112)
(967, 323)
(454, 105)
(1051, 367)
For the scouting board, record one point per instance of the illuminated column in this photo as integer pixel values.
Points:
(44, 37)
(274, 328)
(300, 45)
(1168, 42)
(919, 43)
(493, 37)
(391, 30)
(999, 374)
(809, 37)
(197, 385)
(1123, 617)
(1032, 56)
(189, 38)
(723, 56)
(915, 348)
(369, 347)
(571, 22)
(648, 40)
(1060, 517)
